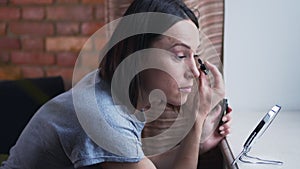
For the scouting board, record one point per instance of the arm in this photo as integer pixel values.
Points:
(145, 163)
(183, 156)
(186, 155)
(206, 146)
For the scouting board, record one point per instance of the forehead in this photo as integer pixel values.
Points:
(184, 32)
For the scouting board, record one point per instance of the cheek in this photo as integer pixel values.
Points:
(156, 79)
(159, 80)
(171, 89)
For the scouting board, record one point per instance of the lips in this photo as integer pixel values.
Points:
(187, 89)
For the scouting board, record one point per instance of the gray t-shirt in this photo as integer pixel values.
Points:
(58, 137)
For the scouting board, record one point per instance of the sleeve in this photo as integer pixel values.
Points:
(122, 145)
(114, 137)
(97, 130)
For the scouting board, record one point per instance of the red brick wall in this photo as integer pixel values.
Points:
(41, 38)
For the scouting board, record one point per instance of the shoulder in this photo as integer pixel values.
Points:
(113, 133)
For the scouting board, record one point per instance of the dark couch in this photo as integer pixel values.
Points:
(19, 100)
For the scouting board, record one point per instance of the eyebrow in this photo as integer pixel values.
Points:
(180, 44)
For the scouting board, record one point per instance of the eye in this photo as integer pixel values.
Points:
(181, 57)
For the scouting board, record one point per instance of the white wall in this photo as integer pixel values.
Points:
(262, 54)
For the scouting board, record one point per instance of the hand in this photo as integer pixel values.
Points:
(208, 92)
(215, 84)
(220, 132)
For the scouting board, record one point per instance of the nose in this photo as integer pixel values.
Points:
(193, 68)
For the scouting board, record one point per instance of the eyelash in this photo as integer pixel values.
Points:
(181, 57)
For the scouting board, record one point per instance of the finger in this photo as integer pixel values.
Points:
(229, 109)
(226, 118)
(225, 129)
(225, 132)
(203, 81)
(225, 126)
(219, 83)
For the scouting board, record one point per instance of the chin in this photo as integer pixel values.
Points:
(178, 101)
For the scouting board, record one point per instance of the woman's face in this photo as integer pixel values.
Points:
(181, 43)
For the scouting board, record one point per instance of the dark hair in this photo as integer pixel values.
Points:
(120, 50)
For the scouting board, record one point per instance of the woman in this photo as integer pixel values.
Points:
(65, 133)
